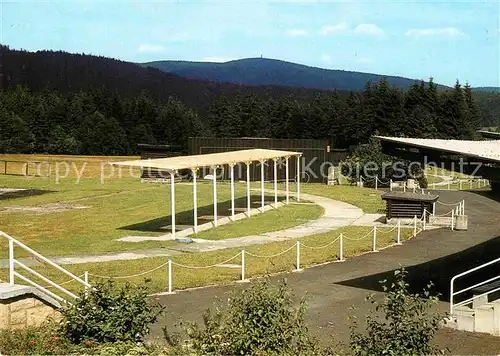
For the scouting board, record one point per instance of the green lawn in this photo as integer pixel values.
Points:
(317, 252)
(282, 218)
(124, 206)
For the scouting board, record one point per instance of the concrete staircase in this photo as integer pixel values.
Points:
(479, 316)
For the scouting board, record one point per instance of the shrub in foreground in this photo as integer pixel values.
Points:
(402, 324)
(260, 320)
(110, 314)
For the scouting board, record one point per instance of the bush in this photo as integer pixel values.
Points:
(259, 320)
(33, 340)
(44, 340)
(408, 325)
(110, 314)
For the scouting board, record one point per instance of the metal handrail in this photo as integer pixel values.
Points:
(452, 294)
(12, 273)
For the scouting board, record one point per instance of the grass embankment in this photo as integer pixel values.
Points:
(316, 252)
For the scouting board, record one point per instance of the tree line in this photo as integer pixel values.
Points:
(103, 122)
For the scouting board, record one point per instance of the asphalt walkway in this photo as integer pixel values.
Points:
(434, 255)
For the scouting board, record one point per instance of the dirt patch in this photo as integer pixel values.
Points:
(42, 209)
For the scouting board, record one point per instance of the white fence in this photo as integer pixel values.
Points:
(417, 224)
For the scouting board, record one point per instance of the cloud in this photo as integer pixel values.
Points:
(325, 58)
(216, 59)
(427, 32)
(368, 29)
(332, 29)
(152, 48)
(297, 32)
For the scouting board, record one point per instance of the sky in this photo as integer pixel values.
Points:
(446, 40)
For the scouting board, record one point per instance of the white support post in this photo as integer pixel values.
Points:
(243, 266)
(374, 246)
(414, 226)
(398, 240)
(248, 189)
(172, 201)
(231, 171)
(297, 262)
(275, 182)
(287, 183)
(262, 195)
(460, 184)
(404, 187)
(463, 207)
(195, 201)
(214, 183)
(434, 209)
(470, 183)
(86, 279)
(341, 248)
(390, 185)
(170, 277)
(452, 219)
(298, 178)
(11, 262)
(376, 182)
(424, 221)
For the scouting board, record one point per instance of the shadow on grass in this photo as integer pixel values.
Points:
(205, 214)
(23, 193)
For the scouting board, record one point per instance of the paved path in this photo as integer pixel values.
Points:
(434, 255)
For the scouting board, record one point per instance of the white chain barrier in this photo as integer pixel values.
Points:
(298, 245)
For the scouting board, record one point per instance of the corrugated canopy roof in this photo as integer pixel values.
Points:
(207, 160)
(489, 150)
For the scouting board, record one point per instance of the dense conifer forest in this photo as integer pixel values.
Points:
(55, 102)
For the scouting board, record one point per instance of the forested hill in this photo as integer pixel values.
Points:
(265, 71)
(66, 73)
(55, 102)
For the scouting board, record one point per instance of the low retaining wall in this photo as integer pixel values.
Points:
(22, 306)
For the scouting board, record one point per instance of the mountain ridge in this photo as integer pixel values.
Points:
(266, 71)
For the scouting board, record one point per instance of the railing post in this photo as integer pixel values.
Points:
(170, 277)
(470, 183)
(341, 248)
(242, 265)
(459, 185)
(404, 186)
(297, 263)
(414, 226)
(398, 241)
(451, 297)
(86, 279)
(390, 185)
(449, 185)
(433, 208)
(376, 182)
(374, 247)
(11, 262)
(425, 217)
(463, 207)
(452, 218)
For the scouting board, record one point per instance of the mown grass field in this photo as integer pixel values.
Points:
(115, 204)
(320, 248)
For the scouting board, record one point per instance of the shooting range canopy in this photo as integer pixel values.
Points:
(208, 160)
(489, 149)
